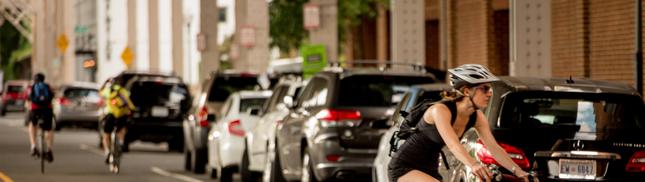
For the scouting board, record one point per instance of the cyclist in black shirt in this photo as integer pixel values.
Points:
(417, 158)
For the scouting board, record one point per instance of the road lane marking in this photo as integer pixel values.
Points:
(5, 178)
(92, 150)
(173, 175)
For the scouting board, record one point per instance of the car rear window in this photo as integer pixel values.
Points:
(588, 114)
(223, 86)
(15, 88)
(246, 104)
(148, 93)
(376, 90)
(81, 93)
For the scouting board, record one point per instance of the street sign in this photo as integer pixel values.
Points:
(312, 16)
(62, 43)
(314, 59)
(127, 56)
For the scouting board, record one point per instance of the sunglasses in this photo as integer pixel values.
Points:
(484, 88)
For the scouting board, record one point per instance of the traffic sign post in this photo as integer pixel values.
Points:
(62, 43)
(127, 56)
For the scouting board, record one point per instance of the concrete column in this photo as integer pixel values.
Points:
(408, 31)
(178, 38)
(327, 34)
(67, 22)
(132, 32)
(530, 31)
(208, 19)
(253, 14)
(45, 50)
(153, 27)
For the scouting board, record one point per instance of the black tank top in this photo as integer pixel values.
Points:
(422, 149)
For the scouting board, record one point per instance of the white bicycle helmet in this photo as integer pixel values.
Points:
(470, 74)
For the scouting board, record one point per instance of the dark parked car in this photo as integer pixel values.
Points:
(564, 129)
(333, 131)
(205, 108)
(162, 102)
(14, 96)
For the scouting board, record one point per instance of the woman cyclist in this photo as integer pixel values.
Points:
(417, 158)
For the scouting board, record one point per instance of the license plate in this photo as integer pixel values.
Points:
(159, 112)
(577, 169)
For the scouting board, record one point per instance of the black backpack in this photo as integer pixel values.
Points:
(409, 125)
(41, 94)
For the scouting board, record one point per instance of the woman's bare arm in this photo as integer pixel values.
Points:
(500, 155)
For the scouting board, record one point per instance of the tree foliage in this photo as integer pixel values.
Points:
(13, 48)
(286, 24)
(286, 20)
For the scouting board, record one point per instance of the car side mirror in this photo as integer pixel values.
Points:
(288, 101)
(210, 117)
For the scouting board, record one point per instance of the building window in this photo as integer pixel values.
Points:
(222, 14)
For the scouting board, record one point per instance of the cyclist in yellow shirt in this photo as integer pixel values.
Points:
(118, 107)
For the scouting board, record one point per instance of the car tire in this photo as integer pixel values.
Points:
(307, 168)
(213, 174)
(187, 160)
(3, 112)
(227, 174)
(175, 145)
(246, 174)
(198, 160)
(275, 175)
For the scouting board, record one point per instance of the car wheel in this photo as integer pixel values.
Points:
(175, 145)
(227, 174)
(246, 174)
(187, 159)
(3, 112)
(213, 173)
(307, 168)
(273, 168)
(199, 159)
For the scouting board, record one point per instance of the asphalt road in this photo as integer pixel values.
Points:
(77, 158)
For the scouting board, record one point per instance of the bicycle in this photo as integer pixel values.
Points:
(114, 157)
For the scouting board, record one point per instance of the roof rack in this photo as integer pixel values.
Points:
(380, 65)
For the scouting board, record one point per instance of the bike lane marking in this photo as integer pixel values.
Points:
(173, 175)
(5, 178)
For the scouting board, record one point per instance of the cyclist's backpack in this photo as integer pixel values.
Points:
(41, 94)
(409, 124)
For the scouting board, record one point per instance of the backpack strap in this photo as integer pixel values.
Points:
(452, 106)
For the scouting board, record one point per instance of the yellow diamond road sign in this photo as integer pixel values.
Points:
(127, 56)
(62, 43)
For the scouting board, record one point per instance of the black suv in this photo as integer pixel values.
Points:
(162, 102)
(205, 108)
(563, 129)
(333, 130)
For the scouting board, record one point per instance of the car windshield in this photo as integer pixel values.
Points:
(376, 90)
(223, 86)
(589, 115)
(74, 93)
(251, 103)
(15, 88)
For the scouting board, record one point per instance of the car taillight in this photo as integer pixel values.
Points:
(64, 101)
(235, 128)
(338, 117)
(636, 162)
(516, 154)
(202, 117)
(333, 157)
